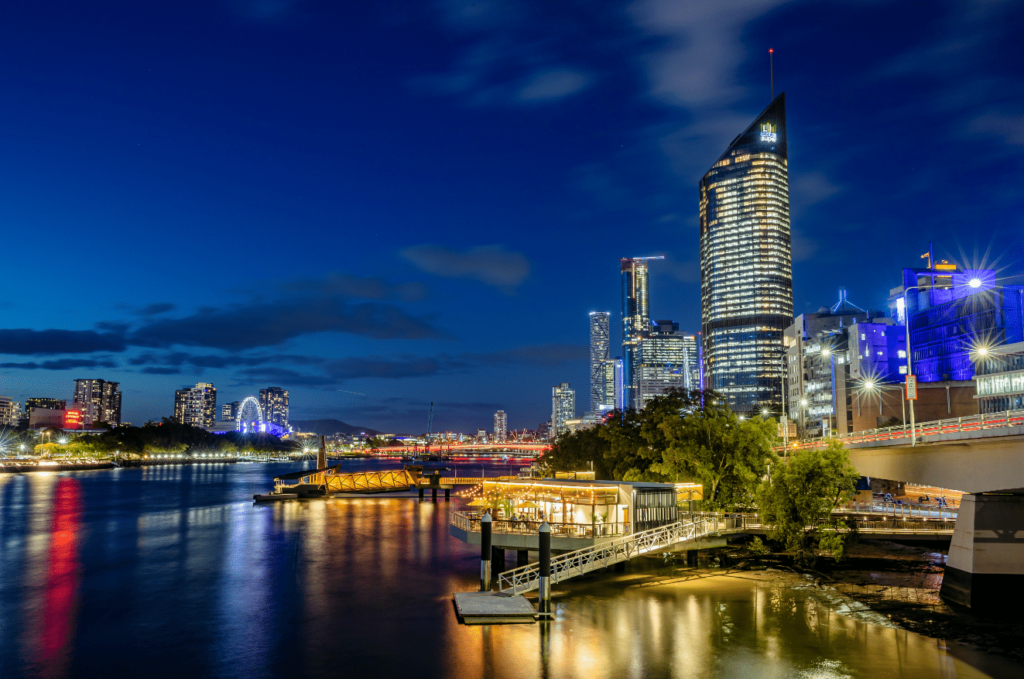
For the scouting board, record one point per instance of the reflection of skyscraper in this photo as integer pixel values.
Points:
(599, 343)
(563, 407)
(745, 261)
(274, 404)
(636, 320)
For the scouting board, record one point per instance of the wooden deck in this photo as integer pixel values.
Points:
(489, 608)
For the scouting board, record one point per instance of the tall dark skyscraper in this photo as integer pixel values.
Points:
(746, 265)
(636, 321)
(599, 345)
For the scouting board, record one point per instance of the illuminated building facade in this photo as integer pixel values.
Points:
(229, 411)
(663, 363)
(949, 317)
(563, 408)
(636, 320)
(999, 380)
(690, 344)
(746, 264)
(599, 346)
(274, 405)
(196, 406)
(10, 412)
(500, 426)
(98, 401)
(42, 404)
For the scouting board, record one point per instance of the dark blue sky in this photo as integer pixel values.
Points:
(378, 205)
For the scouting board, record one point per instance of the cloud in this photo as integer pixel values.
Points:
(161, 371)
(272, 323)
(154, 309)
(554, 83)
(408, 366)
(492, 264)
(61, 364)
(25, 342)
(808, 188)
(1009, 128)
(337, 284)
(701, 48)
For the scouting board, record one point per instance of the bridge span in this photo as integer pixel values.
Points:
(983, 456)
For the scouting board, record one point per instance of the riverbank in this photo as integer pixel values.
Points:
(899, 582)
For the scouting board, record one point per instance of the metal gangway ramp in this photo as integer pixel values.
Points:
(596, 557)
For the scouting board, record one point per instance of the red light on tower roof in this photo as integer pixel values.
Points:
(771, 51)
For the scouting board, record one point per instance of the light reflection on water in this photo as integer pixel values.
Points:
(172, 572)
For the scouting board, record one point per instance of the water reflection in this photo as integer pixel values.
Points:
(172, 572)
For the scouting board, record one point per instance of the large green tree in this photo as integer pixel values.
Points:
(710, 444)
(798, 499)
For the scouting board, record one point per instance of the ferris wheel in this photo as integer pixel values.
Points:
(250, 417)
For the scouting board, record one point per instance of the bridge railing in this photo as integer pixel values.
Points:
(953, 425)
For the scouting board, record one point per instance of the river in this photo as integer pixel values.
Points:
(173, 572)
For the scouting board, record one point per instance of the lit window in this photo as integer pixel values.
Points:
(903, 370)
(863, 337)
(901, 353)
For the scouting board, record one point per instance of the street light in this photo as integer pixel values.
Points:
(870, 385)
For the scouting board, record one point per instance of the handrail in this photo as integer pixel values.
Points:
(570, 564)
(954, 425)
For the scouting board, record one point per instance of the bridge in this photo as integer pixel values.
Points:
(981, 455)
(455, 449)
(688, 532)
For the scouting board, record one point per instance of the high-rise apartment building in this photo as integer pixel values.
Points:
(98, 401)
(746, 264)
(663, 365)
(274, 405)
(599, 345)
(10, 412)
(563, 407)
(500, 426)
(48, 404)
(636, 319)
(196, 406)
(690, 343)
(229, 411)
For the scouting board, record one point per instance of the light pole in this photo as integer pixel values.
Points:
(974, 283)
(871, 385)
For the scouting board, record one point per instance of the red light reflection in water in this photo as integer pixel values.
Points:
(61, 580)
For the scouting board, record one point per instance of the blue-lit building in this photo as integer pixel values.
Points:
(952, 312)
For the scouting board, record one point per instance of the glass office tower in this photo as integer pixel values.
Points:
(599, 345)
(746, 265)
(636, 321)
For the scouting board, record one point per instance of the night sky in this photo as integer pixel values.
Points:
(381, 204)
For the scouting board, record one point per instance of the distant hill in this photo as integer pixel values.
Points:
(328, 427)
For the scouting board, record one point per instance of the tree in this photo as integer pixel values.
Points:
(576, 451)
(711, 445)
(798, 500)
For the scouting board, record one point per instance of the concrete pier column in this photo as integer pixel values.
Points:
(433, 495)
(522, 557)
(485, 552)
(692, 556)
(544, 538)
(985, 568)
(447, 494)
(421, 493)
(497, 560)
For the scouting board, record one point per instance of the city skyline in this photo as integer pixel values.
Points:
(183, 133)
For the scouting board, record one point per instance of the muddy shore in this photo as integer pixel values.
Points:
(901, 582)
